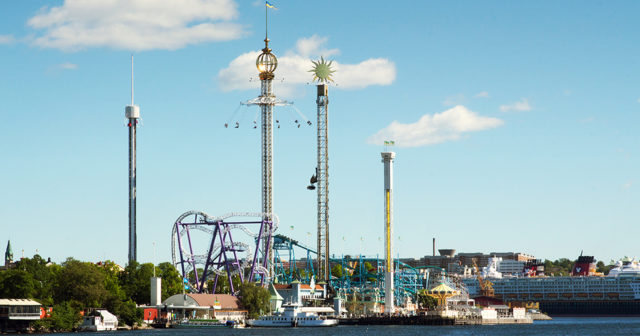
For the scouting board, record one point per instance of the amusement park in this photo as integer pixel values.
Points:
(240, 247)
(320, 164)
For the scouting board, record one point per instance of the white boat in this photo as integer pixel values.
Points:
(293, 316)
(99, 320)
(202, 323)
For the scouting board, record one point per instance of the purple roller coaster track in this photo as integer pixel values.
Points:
(205, 248)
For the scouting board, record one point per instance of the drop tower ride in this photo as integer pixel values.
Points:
(132, 113)
(387, 159)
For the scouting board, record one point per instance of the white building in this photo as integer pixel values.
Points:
(297, 292)
(99, 320)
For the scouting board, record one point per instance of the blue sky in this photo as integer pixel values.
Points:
(515, 123)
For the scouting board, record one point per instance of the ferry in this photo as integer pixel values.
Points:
(585, 292)
(202, 323)
(293, 316)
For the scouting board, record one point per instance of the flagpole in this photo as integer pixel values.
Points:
(266, 21)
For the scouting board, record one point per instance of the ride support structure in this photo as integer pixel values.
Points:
(387, 159)
(322, 174)
(206, 248)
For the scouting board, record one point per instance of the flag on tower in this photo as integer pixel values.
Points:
(268, 4)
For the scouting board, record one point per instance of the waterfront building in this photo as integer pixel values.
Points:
(17, 314)
(223, 307)
(297, 292)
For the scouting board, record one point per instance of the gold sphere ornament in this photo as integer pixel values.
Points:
(322, 71)
(266, 62)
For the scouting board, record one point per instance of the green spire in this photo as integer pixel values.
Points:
(8, 255)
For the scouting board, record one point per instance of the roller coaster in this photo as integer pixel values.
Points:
(206, 248)
(350, 275)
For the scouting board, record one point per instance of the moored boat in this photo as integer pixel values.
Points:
(202, 323)
(293, 316)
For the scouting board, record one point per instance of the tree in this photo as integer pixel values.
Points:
(336, 271)
(222, 287)
(63, 318)
(44, 274)
(171, 280)
(602, 268)
(560, 267)
(135, 281)
(425, 301)
(128, 313)
(80, 281)
(368, 267)
(16, 284)
(254, 298)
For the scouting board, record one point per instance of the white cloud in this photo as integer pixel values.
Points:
(522, 105)
(457, 99)
(135, 24)
(437, 128)
(6, 39)
(638, 100)
(483, 94)
(67, 66)
(313, 46)
(293, 69)
(628, 185)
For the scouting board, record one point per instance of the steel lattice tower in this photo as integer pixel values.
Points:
(267, 64)
(322, 101)
(266, 106)
(322, 73)
(132, 113)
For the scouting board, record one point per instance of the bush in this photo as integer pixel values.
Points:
(255, 299)
(63, 318)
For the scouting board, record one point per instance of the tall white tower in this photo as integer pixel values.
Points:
(387, 159)
(132, 113)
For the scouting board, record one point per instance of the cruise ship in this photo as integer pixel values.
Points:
(585, 292)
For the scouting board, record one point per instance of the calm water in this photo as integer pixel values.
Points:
(559, 326)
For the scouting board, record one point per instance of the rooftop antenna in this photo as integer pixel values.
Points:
(131, 79)
(154, 259)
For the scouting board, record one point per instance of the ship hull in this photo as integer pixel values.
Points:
(590, 308)
(568, 296)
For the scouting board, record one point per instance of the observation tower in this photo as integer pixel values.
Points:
(132, 113)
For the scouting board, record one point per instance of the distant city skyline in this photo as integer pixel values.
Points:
(515, 124)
